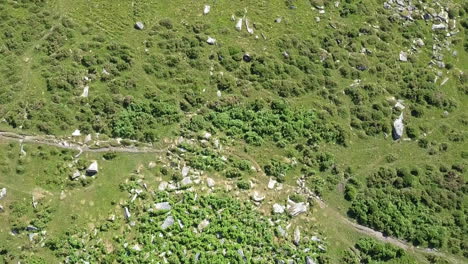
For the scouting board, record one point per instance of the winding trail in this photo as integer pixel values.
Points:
(80, 147)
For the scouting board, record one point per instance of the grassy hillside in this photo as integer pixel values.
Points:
(310, 96)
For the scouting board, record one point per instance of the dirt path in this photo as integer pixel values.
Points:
(80, 147)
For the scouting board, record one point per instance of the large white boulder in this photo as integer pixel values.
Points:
(398, 127)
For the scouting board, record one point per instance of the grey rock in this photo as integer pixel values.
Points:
(163, 186)
(3, 193)
(186, 181)
(92, 169)
(281, 231)
(309, 260)
(210, 182)
(278, 209)
(398, 127)
(211, 41)
(127, 213)
(203, 224)
(297, 236)
(168, 222)
(139, 25)
(295, 209)
(185, 171)
(162, 206)
(257, 197)
(403, 56)
(439, 26)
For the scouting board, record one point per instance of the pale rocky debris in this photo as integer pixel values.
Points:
(419, 42)
(185, 171)
(76, 133)
(136, 247)
(257, 197)
(247, 26)
(85, 91)
(271, 184)
(398, 127)
(203, 224)
(186, 181)
(218, 93)
(127, 213)
(295, 209)
(88, 138)
(139, 25)
(403, 56)
(3, 193)
(163, 206)
(207, 135)
(168, 222)
(439, 26)
(278, 208)
(297, 236)
(281, 231)
(210, 182)
(206, 9)
(399, 105)
(211, 41)
(163, 186)
(309, 260)
(239, 24)
(93, 168)
(76, 175)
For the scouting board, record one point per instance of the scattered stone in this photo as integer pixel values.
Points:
(403, 56)
(206, 9)
(163, 186)
(297, 236)
(168, 222)
(139, 25)
(1, 209)
(249, 29)
(3, 193)
(75, 175)
(210, 182)
(281, 231)
(85, 91)
(127, 213)
(136, 247)
(444, 81)
(207, 136)
(271, 184)
(92, 169)
(257, 197)
(278, 20)
(295, 209)
(203, 224)
(211, 41)
(152, 165)
(239, 24)
(398, 127)
(111, 218)
(186, 181)
(76, 133)
(278, 208)
(218, 93)
(419, 42)
(361, 67)
(439, 26)
(247, 57)
(31, 236)
(285, 55)
(446, 113)
(162, 206)
(399, 105)
(88, 138)
(31, 228)
(185, 171)
(309, 260)
(62, 195)
(317, 19)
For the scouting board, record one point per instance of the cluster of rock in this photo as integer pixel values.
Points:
(434, 13)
